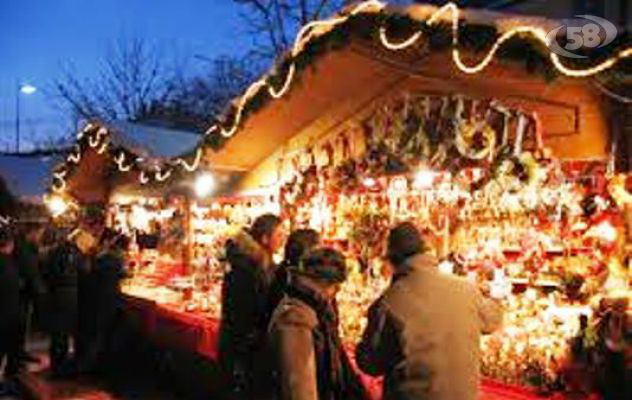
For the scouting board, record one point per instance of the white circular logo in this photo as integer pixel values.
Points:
(598, 33)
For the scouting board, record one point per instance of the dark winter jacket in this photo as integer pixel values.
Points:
(423, 335)
(31, 282)
(61, 274)
(108, 272)
(9, 290)
(278, 288)
(244, 301)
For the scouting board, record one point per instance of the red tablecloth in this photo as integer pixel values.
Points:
(188, 331)
(197, 333)
(171, 327)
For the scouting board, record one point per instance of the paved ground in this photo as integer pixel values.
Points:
(37, 383)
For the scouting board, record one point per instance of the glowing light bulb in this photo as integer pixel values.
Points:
(56, 205)
(446, 267)
(204, 185)
(424, 179)
(604, 231)
(369, 182)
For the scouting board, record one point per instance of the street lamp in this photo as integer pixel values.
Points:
(22, 89)
(28, 89)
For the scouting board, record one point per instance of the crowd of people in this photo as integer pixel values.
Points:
(63, 282)
(279, 335)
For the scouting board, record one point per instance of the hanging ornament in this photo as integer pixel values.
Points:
(523, 123)
(327, 152)
(475, 139)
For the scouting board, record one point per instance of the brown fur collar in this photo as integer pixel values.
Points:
(244, 245)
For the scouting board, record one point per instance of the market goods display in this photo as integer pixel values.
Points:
(546, 238)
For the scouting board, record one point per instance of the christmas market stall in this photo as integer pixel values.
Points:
(176, 230)
(510, 159)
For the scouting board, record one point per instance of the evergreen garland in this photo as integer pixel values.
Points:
(474, 37)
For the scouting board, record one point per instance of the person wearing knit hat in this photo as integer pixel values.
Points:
(423, 333)
(324, 265)
(404, 241)
(298, 244)
(311, 362)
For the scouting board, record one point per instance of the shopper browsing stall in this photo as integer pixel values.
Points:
(61, 274)
(244, 300)
(423, 332)
(32, 288)
(106, 275)
(312, 363)
(298, 244)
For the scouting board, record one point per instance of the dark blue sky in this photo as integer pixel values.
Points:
(37, 37)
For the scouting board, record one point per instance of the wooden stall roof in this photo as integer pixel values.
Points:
(93, 179)
(344, 82)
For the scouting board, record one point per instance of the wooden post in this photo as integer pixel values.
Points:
(188, 241)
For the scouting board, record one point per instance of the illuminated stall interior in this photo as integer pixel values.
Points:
(512, 169)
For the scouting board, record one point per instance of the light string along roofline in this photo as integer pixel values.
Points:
(100, 142)
(308, 32)
(318, 28)
(5, 221)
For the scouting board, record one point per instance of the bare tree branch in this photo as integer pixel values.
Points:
(272, 23)
(132, 77)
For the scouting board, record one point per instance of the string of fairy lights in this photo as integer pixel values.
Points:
(449, 13)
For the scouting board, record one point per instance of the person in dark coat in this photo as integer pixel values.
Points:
(244, 301)
(62, 268)
(32, 288)
(312, 363)
(106, 274)
(298, 244)
(9, 311)
(423, 332)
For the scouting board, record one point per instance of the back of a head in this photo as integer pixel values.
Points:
(120, 243)
(325, 265)
(53, 236)
(31, 227)
(298, 244)
(404, 241)
(264, 225)
(108, 234)
(6, 236)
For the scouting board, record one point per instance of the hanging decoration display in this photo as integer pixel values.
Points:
(414, 132)
(544, 235)
(176, 256)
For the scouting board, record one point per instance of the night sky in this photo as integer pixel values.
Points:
(38, 36)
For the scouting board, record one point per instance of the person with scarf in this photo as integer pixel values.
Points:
(245, 292)
(298, 244)
(423, 332)
(311, 361)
